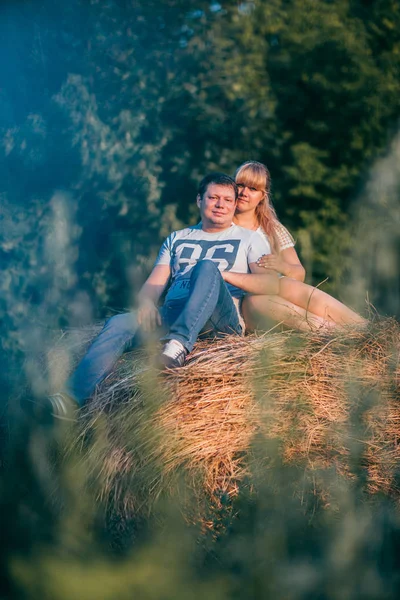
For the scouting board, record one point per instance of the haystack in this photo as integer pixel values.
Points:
(321, 397)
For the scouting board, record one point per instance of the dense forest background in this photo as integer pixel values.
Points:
(112, 111)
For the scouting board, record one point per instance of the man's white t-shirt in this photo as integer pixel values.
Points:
(232, 249)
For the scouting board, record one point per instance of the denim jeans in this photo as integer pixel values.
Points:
(207, 310)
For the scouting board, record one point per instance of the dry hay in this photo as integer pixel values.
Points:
(320, 395)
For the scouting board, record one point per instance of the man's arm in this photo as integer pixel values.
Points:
(257, 282)
(147, 314)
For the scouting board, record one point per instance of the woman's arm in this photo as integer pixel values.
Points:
(286, 262)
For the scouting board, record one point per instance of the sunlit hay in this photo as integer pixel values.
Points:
(334, 395)
(146, 430)
(325, 398)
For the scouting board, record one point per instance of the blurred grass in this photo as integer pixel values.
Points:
(297, 528)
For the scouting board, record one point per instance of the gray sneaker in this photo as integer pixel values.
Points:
(62, 406)
(173, 355)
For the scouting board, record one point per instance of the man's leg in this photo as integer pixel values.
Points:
(117, 336)
(209, 302)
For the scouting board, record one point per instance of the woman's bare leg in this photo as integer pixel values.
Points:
(263, 312)
(317, 302)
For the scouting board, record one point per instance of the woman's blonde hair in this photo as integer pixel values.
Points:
(255, 174)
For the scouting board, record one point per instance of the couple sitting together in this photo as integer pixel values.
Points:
(237, 267)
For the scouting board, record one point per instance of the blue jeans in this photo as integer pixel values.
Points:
(208, 309)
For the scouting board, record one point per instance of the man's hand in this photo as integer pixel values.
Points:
(148, 316)
(147, 313)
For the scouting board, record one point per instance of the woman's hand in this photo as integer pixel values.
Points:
(148, 316)
(273, 262)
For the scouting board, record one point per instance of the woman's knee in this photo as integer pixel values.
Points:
(295, 291)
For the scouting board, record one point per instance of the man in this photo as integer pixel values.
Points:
(209, 266)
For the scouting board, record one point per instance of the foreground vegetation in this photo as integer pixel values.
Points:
(267, 467)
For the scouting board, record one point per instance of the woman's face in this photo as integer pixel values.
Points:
(249, 197)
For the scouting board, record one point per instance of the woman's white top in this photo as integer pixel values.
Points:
(284, 238)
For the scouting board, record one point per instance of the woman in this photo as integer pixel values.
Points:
(298, 305)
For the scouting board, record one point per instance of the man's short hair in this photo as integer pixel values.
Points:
(217, 179)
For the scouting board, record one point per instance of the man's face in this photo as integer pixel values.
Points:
(217, 206)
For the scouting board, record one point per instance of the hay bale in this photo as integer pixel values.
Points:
(319, 395)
